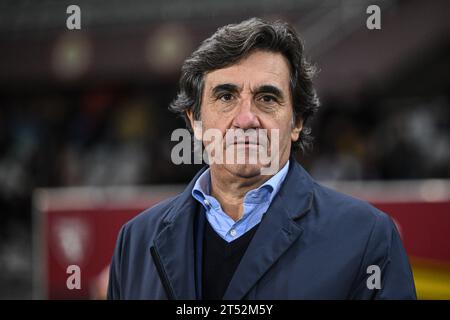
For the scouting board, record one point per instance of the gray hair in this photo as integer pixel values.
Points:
(233, 42)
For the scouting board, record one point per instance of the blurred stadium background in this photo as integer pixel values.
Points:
(85, 131)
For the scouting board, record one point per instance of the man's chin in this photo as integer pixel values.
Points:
(244, 170)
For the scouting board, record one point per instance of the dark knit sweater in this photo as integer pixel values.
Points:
(220, 260)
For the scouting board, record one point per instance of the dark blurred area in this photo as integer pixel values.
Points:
(89, 107)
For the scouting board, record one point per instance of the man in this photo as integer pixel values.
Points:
(236, 233)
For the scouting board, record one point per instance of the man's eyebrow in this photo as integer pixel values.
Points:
(268, 88)
(229, 87)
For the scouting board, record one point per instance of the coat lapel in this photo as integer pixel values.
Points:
(174, 246)
(276, 233)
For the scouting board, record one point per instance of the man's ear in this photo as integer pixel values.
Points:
(190, 116)
(296, 129)
(197, 129)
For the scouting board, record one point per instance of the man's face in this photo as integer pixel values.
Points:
(250, 95)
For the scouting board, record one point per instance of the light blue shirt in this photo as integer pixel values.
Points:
(256, 203)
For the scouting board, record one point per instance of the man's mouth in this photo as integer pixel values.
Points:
(246, 142)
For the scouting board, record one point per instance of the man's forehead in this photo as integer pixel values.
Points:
(259, 68)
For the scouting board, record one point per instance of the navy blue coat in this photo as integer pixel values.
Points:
(313, 243)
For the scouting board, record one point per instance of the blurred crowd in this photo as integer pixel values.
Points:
(399, 139)
(103, 138)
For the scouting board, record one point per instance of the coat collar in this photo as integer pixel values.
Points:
(276, 233)
(175, 248)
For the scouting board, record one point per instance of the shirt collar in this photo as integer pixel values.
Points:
(269, 189)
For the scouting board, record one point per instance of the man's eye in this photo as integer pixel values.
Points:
(268, 98)
(226, 97)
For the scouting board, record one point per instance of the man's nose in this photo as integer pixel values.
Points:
(246, 117)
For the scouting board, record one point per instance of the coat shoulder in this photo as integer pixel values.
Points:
(148, 222)
(342, 207)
